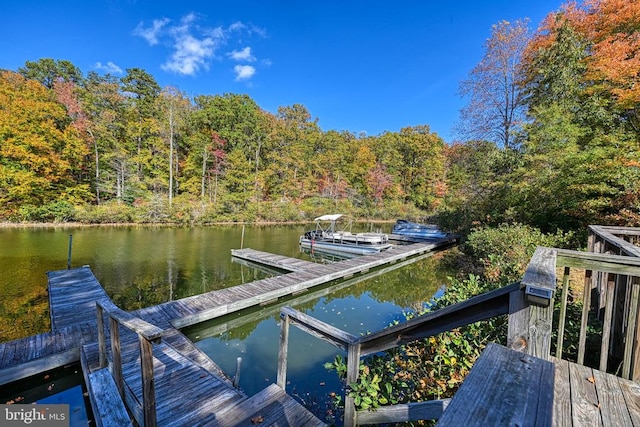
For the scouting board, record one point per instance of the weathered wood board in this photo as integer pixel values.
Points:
(504, 388)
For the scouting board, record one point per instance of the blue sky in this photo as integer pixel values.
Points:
(360, 66)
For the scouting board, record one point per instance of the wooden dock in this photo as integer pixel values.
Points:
(276, 261)
(166, 380)
(72, 296)
(181, 370)
(304, 275)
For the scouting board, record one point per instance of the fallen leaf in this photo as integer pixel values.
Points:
(257, 420)
(592, 380)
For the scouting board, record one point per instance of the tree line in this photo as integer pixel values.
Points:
(100, 148)
(549, 137)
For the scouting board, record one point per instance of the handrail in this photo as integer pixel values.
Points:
(149, 331)
(480, 307)
(606, 263)
(319, 329)
(608, 234)
(148, 334)
(529, 328)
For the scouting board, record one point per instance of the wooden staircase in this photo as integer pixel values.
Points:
(184, 393)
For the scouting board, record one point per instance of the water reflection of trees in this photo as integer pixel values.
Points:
(25, 314)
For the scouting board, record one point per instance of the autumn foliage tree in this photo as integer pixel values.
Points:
(582, 69)
(41, 150)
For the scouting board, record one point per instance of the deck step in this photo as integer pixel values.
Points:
(270, 407)
(106, 403)
(108, 408)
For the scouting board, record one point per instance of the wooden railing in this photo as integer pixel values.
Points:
(529, 305)
(610, 297)
(148, 334)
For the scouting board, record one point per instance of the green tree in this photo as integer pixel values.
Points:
(292, 148)
(579, 142)
(47, 71)
(142, 129)
(330, 163)
(238, 181)
(422, 156)
(103, 105)
(473, 178)
(174, 107)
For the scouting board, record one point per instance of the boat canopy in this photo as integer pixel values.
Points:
(332, 217)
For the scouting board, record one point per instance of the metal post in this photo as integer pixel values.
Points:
(69, 255)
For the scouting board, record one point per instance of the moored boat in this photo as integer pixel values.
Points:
(418, 231)
(328, 237)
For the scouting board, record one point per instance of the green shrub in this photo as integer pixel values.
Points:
(110, 212)
(58, 211)
(502, 254)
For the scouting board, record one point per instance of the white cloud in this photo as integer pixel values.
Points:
(244, 72)
(242, 55)
(151, 34)
(190, 55)
(237, 26)
(193, 47)
(249, 29)
(109, 67)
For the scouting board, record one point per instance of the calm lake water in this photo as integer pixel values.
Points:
(142, 266)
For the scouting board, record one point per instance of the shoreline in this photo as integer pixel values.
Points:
(163, 224)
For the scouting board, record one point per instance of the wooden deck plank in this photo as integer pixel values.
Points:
(72, 296)
(584, 400)
(108, 408)
(631, 393)
(561, 394)
(504, 387)
(610, 400)
(271, 406)
(271, 260)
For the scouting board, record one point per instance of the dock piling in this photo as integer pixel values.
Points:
(69, 253)
(236, 377)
